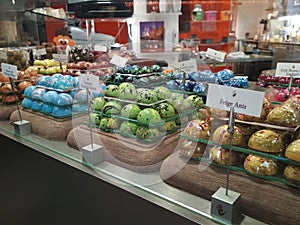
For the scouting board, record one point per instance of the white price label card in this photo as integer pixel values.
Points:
(60, 57)
(187, 66)
(100, 48)
(244, 101)
(288, 70)
(90, 82)
(9, 70)
(118, 61)
(41, 51)
(214, 54)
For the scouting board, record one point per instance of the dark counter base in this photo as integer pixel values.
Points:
(37, 189)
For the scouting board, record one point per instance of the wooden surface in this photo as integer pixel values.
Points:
(126, 152)
(263, 200)
(46, 126)
(6, 111)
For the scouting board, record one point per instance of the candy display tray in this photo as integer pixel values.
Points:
(131, 136)
(282, 161)
(50, 116)
(126, 152)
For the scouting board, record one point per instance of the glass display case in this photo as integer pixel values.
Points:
(130, 107)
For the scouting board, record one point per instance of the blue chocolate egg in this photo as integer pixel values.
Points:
(38, 93)
(28, 91)
(62, 111)
(27, 103)
(64, 99)
(37, 105)
(50, 96)
(47, 108)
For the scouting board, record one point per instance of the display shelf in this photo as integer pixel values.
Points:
(47, 126)
(243, 150)
(240, 169)
(55, 118)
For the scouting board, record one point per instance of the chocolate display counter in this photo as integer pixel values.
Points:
(149, 186)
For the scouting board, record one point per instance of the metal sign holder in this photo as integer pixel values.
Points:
(92, 154)
(225, 204)
(21, 127)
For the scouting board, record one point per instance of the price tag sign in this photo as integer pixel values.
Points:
(244, 101)
(9, 70)
(214, 54)
(118, 61)
(185, 66)
(90, 82)
(287, 70)
(41, 51)
(60, 57)
(100, 48)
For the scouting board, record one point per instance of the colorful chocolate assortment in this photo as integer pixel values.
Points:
(197, 82)
(142, 113)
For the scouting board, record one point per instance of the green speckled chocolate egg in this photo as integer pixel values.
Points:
(147, 96)
(128, 128)
(196, 100)
(127, 91)
(98, 104)
(103, 123)
(148, 116)
(95, 118)
(113, 123)
(112, 108)
(146, 133)
(165, 110)
(162, 93)
(112, 90)
(170, 125)
(130, 111)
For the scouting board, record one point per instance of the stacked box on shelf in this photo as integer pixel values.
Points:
(266, 147)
